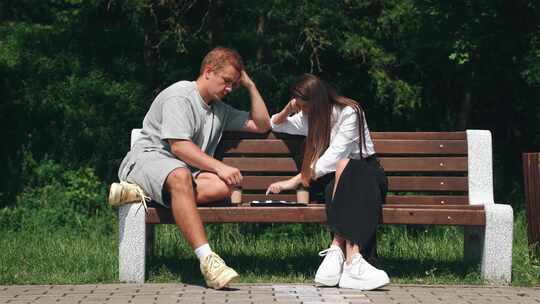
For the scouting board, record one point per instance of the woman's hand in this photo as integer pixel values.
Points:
(277, 187)
(292, 107)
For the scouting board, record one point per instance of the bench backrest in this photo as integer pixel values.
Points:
(423, 168)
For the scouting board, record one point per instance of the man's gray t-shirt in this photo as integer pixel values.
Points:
(179, 112)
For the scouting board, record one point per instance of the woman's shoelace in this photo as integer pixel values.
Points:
(326, 251)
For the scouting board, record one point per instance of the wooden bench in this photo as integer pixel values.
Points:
(435, 178)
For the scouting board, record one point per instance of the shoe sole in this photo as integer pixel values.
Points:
(371, 286)
(224, 280)
(328, 281)
(115, 192)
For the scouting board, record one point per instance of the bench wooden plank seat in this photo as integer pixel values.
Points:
(435, 178)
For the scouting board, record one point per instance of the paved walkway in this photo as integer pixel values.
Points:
(264, 294)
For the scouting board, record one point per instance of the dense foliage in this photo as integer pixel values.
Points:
(77, 75)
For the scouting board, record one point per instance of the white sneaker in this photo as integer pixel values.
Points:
(362, 275)
(329, 272)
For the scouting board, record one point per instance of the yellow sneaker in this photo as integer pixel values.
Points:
(216, 274)
(125, 193)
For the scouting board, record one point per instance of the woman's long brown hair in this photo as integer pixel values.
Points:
(321, 99)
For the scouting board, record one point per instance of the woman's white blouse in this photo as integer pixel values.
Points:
(343, 137)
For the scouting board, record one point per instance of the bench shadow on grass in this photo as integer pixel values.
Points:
(425, 271)
(186, 269)
(430, 270)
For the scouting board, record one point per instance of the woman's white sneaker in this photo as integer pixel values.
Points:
(329, 272)
(362, 275)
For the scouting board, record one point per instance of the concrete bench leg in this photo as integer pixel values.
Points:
(473, 243)
(150, 239)
(132, 243)
(492, 245)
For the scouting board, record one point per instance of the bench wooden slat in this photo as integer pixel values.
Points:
(419, 135)
(382, 146)
(464, 216)
(374, 135)
(257, 146)
(461, 217)
(424, 164)
(262, 164)
(427, 183)
(435, 200)
(249, 197)
(435, 207)
(315, 214)
(390, 199)
(416, 147)
(394, 164)
(395, 183)
(270, 135)
(428, 199)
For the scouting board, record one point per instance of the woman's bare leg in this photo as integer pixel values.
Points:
(339, 169)
(351, 250)
(338, 241)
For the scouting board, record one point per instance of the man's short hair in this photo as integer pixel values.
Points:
(219, 57)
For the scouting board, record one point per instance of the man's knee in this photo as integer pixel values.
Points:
(179, 178)
(211, 188)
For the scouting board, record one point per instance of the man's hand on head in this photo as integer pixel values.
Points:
(245, 80)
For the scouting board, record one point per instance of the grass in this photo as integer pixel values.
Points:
(260, 253)
(58, 257)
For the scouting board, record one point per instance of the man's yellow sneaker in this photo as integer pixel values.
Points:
(216, 274)
(125, 193)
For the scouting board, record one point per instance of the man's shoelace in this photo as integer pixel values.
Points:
(143, 196)
(213, 264)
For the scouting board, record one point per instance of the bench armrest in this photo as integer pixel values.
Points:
(480, 167)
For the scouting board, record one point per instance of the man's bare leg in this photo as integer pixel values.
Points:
(211, 188)
(184, 201)
(183, 206)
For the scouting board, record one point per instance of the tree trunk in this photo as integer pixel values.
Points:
(217, 25)
(464, 111)
(466, 103)
(260, 37)
(151, 49)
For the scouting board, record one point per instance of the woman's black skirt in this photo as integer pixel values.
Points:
(355, 210)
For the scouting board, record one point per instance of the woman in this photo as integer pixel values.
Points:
(339, 161)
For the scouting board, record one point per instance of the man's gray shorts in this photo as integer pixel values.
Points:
(149, 169)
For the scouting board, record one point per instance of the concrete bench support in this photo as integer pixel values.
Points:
(132, 243)
(491, 244)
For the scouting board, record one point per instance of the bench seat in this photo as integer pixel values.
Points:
(315, 213)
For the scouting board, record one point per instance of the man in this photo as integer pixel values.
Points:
(172, 160)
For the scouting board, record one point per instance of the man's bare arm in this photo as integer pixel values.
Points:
(259, 119)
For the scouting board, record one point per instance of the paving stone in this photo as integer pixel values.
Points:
(263, 294)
